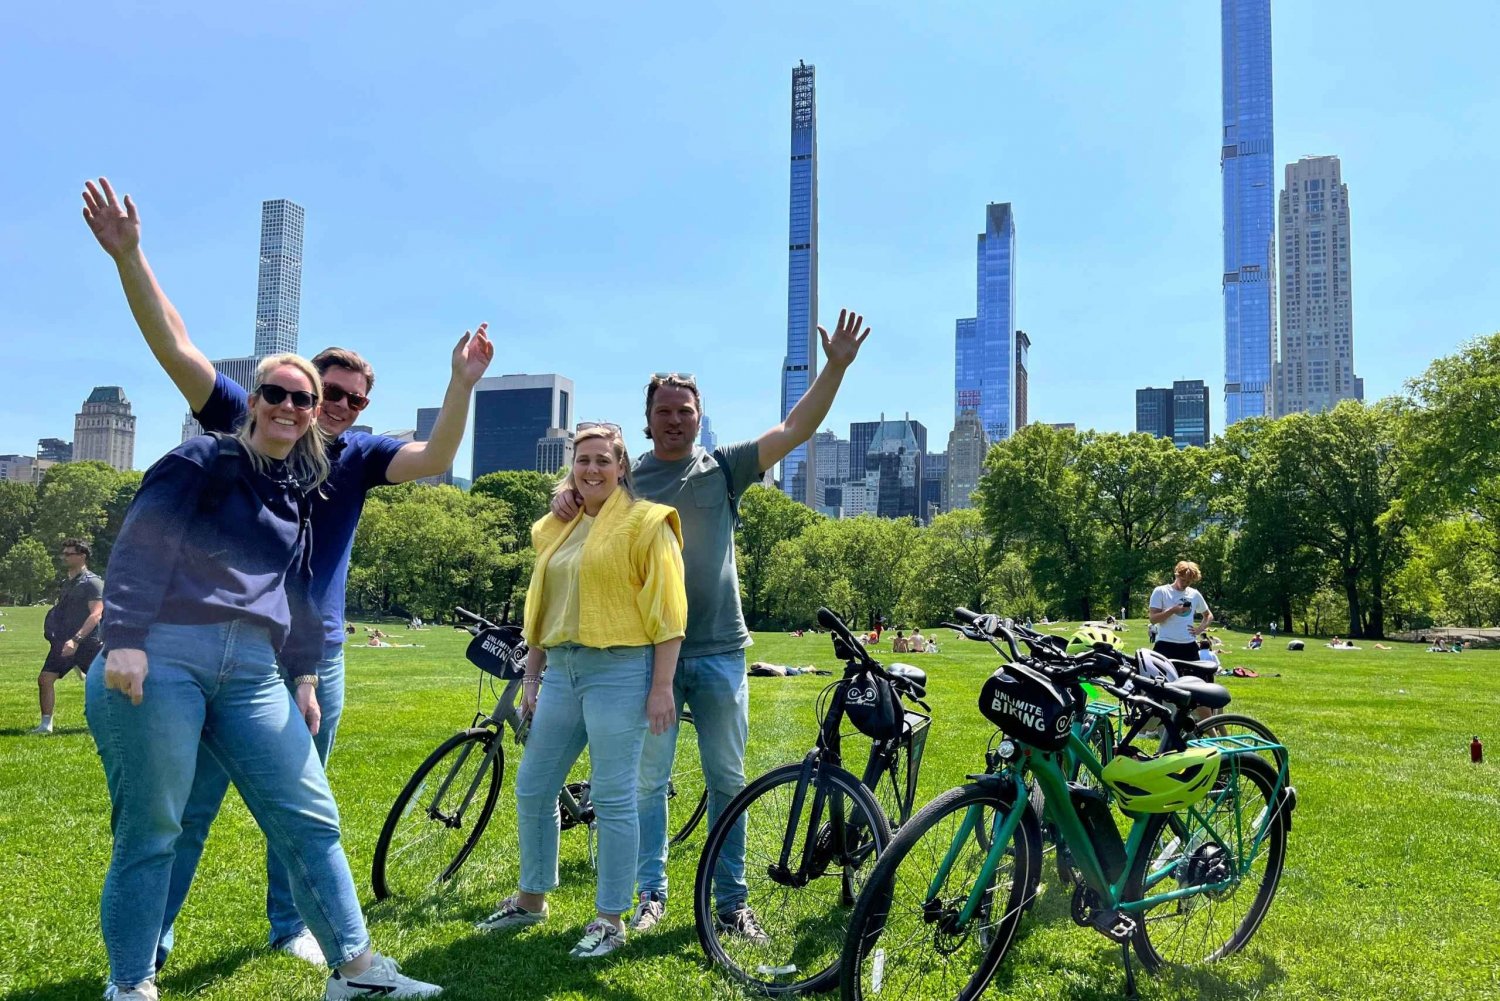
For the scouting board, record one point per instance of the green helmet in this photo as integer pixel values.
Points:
(1084, 639)
(1165, 783)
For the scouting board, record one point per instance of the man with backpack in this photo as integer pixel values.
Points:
(71, 627)
(359, 461)
(705, 489)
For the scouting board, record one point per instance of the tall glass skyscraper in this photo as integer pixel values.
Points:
(985, 346)
(801, 364)
(278, 293)
(1246, 164)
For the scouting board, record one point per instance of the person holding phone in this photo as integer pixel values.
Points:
(1173, 607)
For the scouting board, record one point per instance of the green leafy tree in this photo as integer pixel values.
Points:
(528, 495)
(1450, 434)
(74, 499)
(951, 568)
(27, 572)
(17, 509)
(767, 517)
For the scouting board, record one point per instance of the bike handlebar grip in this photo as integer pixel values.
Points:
(965, 616)
(460, 610)
(831, 622)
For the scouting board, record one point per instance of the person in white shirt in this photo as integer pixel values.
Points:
(1173, 607)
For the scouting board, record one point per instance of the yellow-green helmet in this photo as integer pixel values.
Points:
(1165, 783)
(1084, 639)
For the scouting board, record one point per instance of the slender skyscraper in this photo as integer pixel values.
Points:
(801, 364)
(985, 347)
(1316, 370)
(278, 293)
(1248, 169)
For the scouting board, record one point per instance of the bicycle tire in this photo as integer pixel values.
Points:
(1249, 786)
(1226, 724)
(788, 912)
(383, 874)
(905, 872)
(684, 813)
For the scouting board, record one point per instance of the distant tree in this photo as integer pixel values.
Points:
(27, 572)
(74, 500)
(767, 517)
(17, 509)
(528, 494)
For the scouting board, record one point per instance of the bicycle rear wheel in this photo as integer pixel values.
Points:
(439, 815)
(1238, 725)
(906, 938)
(1236, 837)
(804, 916)
(687, 793)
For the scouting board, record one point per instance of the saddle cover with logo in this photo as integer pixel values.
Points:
(1027, 707)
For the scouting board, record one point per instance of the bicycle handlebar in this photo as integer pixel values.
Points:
(478, 620)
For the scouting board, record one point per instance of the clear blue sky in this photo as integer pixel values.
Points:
(607, 185)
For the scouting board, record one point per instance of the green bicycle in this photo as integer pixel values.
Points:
(1190, 882)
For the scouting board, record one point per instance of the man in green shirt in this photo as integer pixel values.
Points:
(710, 675)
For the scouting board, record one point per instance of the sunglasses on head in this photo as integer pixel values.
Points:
(612, 428)
(356, 401)
(686, 377)
(275, 395)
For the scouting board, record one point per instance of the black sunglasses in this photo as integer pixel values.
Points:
(334, 394)
(275, 395)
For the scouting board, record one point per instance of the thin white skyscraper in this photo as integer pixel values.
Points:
(278, 293)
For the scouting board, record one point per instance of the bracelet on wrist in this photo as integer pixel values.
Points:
(531, 679)
(306, 679)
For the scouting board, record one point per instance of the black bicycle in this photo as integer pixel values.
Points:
(440, 813)
(812, 830)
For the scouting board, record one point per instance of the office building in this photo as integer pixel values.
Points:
(54, 450)
(1316, 369)
(832, 466)
(104, 430)
(239, 370)
(967, 446)
(278, 290)
(1249, 176)
(1180, 413)
(1023, 350)
(511, 412)
(934, 485)
(554, 450)
(426, 421)
(706, 436)
(894, 469)
(18, 468)
(860, 436)
(800, 366)
(1064, 426)
(985, 348)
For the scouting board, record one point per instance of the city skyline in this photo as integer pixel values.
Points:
(682, 267)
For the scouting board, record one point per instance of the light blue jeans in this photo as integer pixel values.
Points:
(595, 698)
(215, 686)
(716, 690)
(211, 782)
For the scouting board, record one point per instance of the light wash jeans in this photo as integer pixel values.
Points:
(596, 698)
(215, 686)
(211, 782)
(716, 690)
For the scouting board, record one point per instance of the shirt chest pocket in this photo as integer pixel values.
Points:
(708, 492)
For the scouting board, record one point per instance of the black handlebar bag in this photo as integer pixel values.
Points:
(872, 705)
(1025, 705)
(499, 651)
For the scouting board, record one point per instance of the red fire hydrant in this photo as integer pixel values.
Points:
(1476, 751)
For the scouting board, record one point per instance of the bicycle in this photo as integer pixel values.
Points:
(812, 829)
(1209, 823)
(444, 808)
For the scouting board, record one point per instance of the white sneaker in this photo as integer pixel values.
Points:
(144, 991)
(382, 980)
(304, 947)
(648, 913)
(40, 728)
(512, 915)
(600, 938)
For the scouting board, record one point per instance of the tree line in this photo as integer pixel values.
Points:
(1359, 520)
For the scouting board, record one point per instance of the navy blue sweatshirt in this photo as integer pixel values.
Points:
(245, 559)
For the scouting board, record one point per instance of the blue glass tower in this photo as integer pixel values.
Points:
(985, 347)
(1246, 162)
(800, 366)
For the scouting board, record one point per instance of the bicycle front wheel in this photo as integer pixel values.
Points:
(1233, 845)
(438, 817)
(836, 834)
(908, 937)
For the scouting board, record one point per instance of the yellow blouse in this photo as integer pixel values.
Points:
(560, 597)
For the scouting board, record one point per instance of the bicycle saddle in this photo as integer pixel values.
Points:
(915, 678)
(1200, 669)
(1204, 693)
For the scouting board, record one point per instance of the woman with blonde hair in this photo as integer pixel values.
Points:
(605, 615)
(207, 592)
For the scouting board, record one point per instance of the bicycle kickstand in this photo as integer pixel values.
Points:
(593, 855)
(1130, 993)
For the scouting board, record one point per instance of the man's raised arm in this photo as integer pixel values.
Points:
(805, 418)
(431, 457)
(117, 227)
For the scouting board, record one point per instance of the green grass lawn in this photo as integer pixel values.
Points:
(1391, 890)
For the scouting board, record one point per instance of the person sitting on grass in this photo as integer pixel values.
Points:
(606, 612)
(898, 645)
(1256, 641)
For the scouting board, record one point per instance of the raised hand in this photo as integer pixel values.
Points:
(116, 226)
(843, 346)
(473, 355)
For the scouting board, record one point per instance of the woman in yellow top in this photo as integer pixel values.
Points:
(605, 614)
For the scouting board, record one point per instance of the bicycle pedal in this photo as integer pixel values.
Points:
(1115, 925)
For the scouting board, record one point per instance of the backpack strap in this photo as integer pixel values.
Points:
(228, 454)
(734, 501)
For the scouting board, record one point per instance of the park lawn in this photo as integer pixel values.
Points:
(1391, 891)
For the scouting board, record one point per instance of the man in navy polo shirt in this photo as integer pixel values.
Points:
(359, 462)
